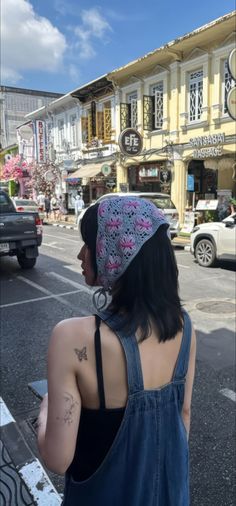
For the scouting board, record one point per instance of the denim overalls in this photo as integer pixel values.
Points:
(147, 464)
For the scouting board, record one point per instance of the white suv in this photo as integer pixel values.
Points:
(215, 240)
(161, 200)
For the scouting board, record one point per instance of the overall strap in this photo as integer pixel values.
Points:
(131, 351)
(181, 367)
(98, 356)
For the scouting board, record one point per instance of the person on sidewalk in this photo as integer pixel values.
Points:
(54, 206)
(117, 415)
(79, 205)
(41, 200)
(47, 203)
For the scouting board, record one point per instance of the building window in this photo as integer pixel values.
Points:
(73, 133)
(195, 95)
(96, 123)
(227, 85)
(153, 108)
(129, 112)
(61, 132)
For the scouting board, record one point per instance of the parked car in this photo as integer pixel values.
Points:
(21, 233)
(28, 206)
(161, 200)
(215, 240)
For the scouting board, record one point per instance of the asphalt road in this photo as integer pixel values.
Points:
(32, 302)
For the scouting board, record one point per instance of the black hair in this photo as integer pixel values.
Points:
(147, 293)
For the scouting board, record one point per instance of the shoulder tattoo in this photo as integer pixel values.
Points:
(81, 354)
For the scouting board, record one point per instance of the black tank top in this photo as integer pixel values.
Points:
(97, 427)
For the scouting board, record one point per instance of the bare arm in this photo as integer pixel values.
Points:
(186, 411)
(60, 411)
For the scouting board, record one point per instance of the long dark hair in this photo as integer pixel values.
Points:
(147, 293)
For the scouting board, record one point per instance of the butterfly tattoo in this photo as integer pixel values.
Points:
(81, 354)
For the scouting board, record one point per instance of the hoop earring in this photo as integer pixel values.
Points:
(97, 302)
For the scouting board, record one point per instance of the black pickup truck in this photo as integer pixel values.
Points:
(20, 233)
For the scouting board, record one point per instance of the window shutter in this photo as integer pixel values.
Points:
(148, 112)
(100, 125)
(93, 116)
(124, 116)
(84, 127)
(90, 129)
(107, 123)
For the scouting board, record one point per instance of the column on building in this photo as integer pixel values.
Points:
(178, 186)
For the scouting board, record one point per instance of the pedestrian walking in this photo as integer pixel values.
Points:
(79, 205)
(41, 200)
(54, 206)
(117, 415)
(47, 203)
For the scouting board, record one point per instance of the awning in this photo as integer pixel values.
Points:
(89, 170)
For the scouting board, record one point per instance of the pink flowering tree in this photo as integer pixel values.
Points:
(13, 169)
(43, 177)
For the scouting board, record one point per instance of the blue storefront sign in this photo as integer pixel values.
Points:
(190, 183)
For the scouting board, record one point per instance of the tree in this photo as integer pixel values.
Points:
(13, 169)
(43, 177)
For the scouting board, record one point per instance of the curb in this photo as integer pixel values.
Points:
(25, 464)
(69, 227)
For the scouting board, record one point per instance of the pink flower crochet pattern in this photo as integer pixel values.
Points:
(127, 243)
(114, 223)
(143, 224)
(113, 264)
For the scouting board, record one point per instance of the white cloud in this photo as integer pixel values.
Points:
(94, 25)
(29, 41)
(74, 72)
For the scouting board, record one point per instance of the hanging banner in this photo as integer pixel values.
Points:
(40, 141)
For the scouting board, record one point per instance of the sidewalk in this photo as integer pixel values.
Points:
(69, 222)
(23, 480)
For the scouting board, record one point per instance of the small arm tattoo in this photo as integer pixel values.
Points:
(69, 409)
(81, 354)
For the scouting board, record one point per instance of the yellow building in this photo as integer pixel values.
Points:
(176, 97)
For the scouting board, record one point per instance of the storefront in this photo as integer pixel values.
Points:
(211, 172)
(150, 177)
(92, 181)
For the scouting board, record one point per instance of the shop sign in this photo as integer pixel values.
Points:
(207, 205)
(110, 183)
(231, 103)
(207, 140)
(189, 219)
(165, 176)
(214, 141)
(106, 169)
(232, 63)
(148, 172)
(40, 134)
(130, 142)
(190, 183)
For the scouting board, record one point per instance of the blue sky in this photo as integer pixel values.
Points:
(58, 45)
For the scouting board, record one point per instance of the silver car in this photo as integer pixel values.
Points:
(161, 200)
(28, 206)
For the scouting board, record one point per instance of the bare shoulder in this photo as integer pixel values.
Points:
(73, 332)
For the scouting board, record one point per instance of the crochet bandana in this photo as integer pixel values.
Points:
(124, 225)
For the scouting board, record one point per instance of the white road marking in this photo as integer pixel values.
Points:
(230, 394)
(6, 416)
(61, 236)
(73, 268)
(44, 290)
(80, 287)
(52, 245)
(184, 266)
(39, 485)
(37, 299)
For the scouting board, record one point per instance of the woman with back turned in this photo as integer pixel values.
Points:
(117, 416)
